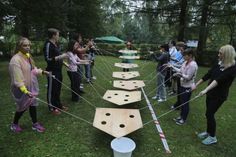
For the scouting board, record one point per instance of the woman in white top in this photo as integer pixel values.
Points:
(73, 62)
(187, 74)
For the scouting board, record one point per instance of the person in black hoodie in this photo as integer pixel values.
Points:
(54, 60)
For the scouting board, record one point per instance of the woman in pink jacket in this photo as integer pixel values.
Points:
(24, 85)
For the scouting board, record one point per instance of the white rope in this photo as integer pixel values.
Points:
(173, 109)
(91, 104)
(167, 99)
(65, 111)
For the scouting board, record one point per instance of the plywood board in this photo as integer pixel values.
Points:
(128, 85)
(128, 51)
(121, 97)
(126, 65)
(117, 122)
(125, 75)
(129, 57)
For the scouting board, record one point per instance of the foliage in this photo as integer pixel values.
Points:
(67, 136)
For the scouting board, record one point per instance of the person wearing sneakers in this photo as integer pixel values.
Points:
(177, 62)
(24, 84)
(54, 60)
(220, 79)
(187, 74)
(73, 62)
(161, 70)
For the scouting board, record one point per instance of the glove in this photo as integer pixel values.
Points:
(25, 91)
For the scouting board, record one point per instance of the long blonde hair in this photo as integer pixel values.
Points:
(20, 43)
(229, 55)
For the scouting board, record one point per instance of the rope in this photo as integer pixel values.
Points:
(90, 83)
(162, 115)
(168, 98)
(65, 111)
(74, 92)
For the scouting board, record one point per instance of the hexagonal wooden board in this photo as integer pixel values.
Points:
(121, 97)
(126, 65)
(128, 85)
(117, 122)
(129, 57)
(128, 51)
(125, 75)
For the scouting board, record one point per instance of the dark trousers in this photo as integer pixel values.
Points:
(91, 68)
(184, 98)
(178, 103)
(125, 69)
(75, 85)
(32, 112)
(212, 105)
(167, 77)
(56, 90)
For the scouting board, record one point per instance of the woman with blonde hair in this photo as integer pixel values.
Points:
(220, 79)
(24, 84)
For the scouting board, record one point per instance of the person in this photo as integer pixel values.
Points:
(128, 47)
(92, 55)
(73, 62)
(81, 50)
(177, 62)
(54, 60)
(24, 85)
(187, 74)
(220, 78)
(161, 70)
(172, 53)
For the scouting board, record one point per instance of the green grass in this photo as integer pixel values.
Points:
(66, 136)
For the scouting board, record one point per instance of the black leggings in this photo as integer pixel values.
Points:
(212, 105)
(32, 112)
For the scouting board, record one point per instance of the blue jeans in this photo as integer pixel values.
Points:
(87, 71)
(161, 89)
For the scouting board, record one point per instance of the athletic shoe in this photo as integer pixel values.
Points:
(16, 128)
(171, 93)
(155, 97)
(177, 119)
(161, 100)
(38, 127)
(56, 112)
(209, 140)
(180, 122)
(94, 77)
(203, 135)
(64, 108)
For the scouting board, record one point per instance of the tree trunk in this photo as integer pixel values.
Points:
(203, 28)
(24, 24)
(182, 20)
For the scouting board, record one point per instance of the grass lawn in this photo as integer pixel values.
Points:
(67, 136)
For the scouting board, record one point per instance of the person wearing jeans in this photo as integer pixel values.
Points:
(161, 71)
(187, 74)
